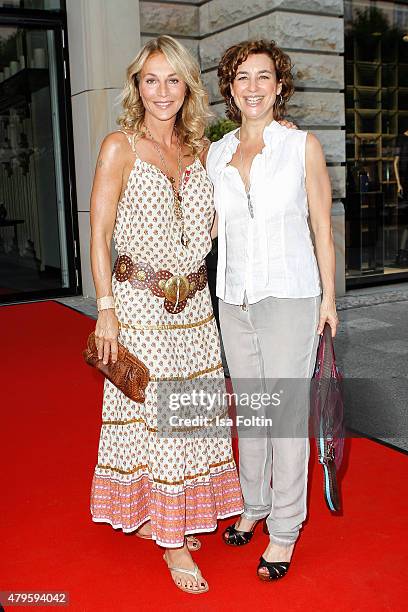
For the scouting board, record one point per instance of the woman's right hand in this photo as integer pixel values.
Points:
(106, 335)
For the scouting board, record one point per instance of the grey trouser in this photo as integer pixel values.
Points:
(274, 339)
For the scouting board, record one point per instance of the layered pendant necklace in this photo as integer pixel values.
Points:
(178, 211)
(247, 186)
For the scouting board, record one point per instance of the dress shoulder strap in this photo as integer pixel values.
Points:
(131, 139)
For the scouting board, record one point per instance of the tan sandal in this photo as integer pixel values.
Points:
(196, 575)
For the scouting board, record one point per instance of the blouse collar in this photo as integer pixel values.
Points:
(273, 133)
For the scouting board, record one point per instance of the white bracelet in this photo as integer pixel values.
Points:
(105, 302)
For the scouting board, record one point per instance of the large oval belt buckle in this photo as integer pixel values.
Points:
(176, 289)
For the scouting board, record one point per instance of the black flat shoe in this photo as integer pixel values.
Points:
(236, 537)
(276, 569)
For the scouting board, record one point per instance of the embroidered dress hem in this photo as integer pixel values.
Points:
(193, 508)
(167, 544)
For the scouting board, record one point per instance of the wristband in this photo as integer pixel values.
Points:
(106, 302)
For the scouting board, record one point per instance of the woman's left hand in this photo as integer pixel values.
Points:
(288, 124)
(328, 315)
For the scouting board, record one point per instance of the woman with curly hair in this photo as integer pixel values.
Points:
(268, 180)
(152, 194)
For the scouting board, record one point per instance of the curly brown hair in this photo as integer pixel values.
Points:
(236, 55)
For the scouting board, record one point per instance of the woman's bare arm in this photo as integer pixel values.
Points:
(106, 190)
(320, 201)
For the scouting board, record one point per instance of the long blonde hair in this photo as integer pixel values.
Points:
(192, 117)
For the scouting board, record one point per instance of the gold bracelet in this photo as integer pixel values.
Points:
(105, 302)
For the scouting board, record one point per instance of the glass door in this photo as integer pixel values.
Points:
(38, 254)
(376, 68)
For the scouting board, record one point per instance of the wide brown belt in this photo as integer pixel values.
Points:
(176, 289)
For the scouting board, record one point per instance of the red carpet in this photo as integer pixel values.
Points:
(50, 420)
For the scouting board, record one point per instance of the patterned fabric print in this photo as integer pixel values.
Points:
(146, 227)
(183, 484)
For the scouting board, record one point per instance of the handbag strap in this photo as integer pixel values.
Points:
(325, 352)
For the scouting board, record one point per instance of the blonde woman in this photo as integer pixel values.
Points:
(151, 194)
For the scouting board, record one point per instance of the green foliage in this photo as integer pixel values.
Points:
(219, 128)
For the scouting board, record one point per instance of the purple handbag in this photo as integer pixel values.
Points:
(327, 416)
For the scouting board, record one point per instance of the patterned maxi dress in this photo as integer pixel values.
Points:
(182, 484)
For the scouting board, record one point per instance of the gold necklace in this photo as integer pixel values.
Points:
(246, 187)
(178, 211)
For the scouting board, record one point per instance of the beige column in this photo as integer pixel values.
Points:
(103, 37)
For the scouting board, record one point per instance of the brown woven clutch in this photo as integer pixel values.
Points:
(129, 374)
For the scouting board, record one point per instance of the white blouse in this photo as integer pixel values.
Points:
(272, 253)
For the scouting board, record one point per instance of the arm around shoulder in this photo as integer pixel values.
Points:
(204, 153)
